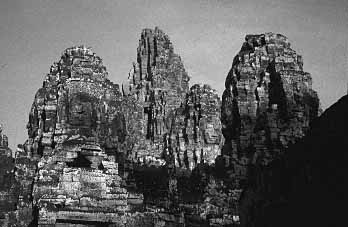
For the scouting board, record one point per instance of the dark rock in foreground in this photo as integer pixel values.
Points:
(307, 186)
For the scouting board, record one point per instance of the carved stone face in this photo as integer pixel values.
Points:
(118, 127)
(81, 110)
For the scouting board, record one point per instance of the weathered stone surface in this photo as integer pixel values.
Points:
(159, 83)
(76, 99)
(268, 103)
(157, 153)
(8, 185)
(26, 168)
(195, 132)
(176, 127)
(75, 129)
(164, 105)
(89, 147)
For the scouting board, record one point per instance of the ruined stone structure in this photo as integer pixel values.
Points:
(74, 128)
(176, 127)
(268, 103)
(159, 84)
(88, 141)
(196, 128)
(8, 192)
(156, 152)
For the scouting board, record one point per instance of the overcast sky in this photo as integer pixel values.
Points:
(206, 34)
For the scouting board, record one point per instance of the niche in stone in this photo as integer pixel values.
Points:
(118, 128)
(81, 161)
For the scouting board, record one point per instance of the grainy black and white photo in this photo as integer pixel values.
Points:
(173, 113)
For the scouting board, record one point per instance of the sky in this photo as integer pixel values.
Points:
(207, 34)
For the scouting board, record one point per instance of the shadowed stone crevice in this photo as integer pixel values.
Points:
(276, 91)
(80, 162)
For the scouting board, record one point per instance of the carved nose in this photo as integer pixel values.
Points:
(79, 109)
